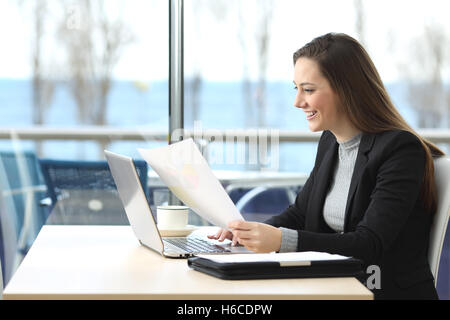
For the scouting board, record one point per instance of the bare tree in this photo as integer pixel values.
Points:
(360, 19)
(246, 82)
(219, 10)
(93, 50)
(43, 85)
(265, 14)
(255, 18)
(254, 31)
(259, 26)
(195, 81)
(426, 90)
(94, 46)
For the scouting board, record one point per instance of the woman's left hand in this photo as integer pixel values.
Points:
(255, 236)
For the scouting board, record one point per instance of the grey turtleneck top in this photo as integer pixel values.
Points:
(336, 200)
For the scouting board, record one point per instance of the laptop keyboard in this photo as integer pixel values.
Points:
(195, 245)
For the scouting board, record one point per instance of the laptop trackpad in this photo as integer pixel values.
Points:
(235, 249)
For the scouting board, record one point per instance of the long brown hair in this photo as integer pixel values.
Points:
(353, 76)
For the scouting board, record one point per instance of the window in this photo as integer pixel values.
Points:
(73, 65)
(238, 63)
(75, 77)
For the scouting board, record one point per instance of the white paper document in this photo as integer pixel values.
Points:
(186, 173)
(285, 259)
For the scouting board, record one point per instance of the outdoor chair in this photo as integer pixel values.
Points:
(260, 203)
(440, 224)
(85, 191)
(21, 216)
(1, 275)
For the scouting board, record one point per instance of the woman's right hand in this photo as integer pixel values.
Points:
(221, 235)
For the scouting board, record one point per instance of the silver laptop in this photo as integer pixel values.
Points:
(141, 219)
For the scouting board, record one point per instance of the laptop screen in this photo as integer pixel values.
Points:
(134, 201)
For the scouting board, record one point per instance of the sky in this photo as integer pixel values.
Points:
(212, 46)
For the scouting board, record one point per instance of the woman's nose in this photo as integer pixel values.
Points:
(299, 102)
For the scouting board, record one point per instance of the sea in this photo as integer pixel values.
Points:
(220, 105)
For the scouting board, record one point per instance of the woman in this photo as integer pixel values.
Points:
(371, 193)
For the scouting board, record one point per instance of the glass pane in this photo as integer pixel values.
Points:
(239, 72)
(81, 64)
(76, 77)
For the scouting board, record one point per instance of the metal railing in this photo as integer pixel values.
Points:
(109, 134)
(230, 179)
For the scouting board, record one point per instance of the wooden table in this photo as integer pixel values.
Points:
(107, 262)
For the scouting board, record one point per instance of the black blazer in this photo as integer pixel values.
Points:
(385, 222)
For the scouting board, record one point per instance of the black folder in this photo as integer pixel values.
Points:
(346, 267)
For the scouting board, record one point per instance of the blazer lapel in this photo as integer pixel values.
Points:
(323, 178)
(361, 161)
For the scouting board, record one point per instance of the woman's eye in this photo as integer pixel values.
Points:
(308, 90)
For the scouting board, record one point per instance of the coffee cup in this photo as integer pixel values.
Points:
(172, 217)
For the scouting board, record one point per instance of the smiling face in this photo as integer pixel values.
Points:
(319, 102)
